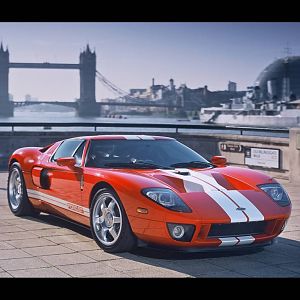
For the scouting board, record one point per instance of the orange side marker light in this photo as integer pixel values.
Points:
(142, 210)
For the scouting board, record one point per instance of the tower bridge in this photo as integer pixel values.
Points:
(86, 105)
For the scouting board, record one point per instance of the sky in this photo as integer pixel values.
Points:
(131, 54)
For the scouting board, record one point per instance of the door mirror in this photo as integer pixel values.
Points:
(219, 161)
(66, 162)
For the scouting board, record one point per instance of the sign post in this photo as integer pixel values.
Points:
(262, 157)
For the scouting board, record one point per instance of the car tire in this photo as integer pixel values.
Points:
(109, 223)
(18, 201)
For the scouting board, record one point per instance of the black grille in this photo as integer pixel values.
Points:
(235, 229)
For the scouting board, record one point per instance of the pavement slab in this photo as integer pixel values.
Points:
(155, 273)
(11, 236)
(22, 263)
(82, 246)
(295, 267)
(123, 264)
(268, 271)
(67, 259)
(5, 246)
(51, 272)
(47, 250)
(100, 255)
(52, 232)
(5, 275)
(62, 239)
(12, 253)
(9, 228)
(29, 243)
(194, 268)
(90, 269)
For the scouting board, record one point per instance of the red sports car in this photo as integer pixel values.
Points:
(148, 188)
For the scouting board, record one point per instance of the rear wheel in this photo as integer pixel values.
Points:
(109, 223)
(17, 194)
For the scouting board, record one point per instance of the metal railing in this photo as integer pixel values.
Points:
(281, 132)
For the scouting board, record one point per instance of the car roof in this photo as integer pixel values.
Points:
(123, 137)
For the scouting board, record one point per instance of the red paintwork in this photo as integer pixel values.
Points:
(219, 161)
(151, 227)
(66, 162)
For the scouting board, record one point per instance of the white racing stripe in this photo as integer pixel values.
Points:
(228, 206)
(193, 184)
(209, 179)
(138, 137)
(229, 200)
(236, 241)
(250, 210)
(131, 137)
(246, 240)
(58, 202)
(229, 241)
(146, 137)
(190, 182)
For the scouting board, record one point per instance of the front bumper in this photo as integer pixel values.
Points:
(156, 233)
(208, 249)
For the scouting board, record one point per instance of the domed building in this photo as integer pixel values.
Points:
(280, 80)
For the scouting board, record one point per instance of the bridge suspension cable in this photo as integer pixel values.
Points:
(115, 89)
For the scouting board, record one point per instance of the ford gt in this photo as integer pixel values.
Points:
(149, 189)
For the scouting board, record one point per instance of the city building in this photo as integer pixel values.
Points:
(137, 92)
(191, 100)
(232, 86)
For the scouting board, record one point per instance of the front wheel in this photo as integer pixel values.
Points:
(17, 194)
(109, 223)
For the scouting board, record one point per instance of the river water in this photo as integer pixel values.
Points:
(54, 113)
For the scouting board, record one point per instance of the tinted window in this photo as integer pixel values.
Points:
(67, 149)
(160, 152)
(78, 154)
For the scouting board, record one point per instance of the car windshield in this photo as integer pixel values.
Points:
(144, 154)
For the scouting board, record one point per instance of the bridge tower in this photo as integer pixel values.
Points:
(6, 106)
(87, 103)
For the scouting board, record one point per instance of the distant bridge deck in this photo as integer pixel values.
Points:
(75, 104)
(44, 65)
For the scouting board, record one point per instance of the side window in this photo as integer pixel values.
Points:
(78, 154)
(66, 149)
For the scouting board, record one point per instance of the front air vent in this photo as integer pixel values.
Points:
(44, 179)
(236, 229)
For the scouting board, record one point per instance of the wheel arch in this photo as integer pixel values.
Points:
(125, 242)
(97, 187)
(13, 160)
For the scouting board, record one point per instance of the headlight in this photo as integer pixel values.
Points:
(166, 198)
(276, 192)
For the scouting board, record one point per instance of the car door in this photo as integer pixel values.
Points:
(65, 181)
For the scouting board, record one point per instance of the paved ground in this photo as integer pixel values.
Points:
(49, 247)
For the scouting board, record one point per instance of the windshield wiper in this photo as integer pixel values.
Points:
(195, 164)
(136, 165)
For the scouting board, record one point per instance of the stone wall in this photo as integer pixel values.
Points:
(206, 144)
(294, 155)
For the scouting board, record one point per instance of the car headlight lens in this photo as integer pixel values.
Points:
(276, 192)
(166, 198)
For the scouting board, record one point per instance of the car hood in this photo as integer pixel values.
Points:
(224, 192)
(208, 180)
